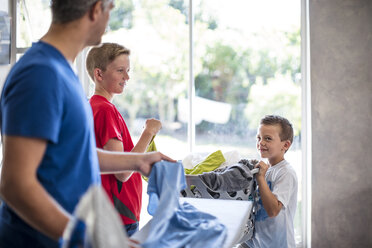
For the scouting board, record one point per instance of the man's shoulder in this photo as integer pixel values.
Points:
(43, 54)
(38, 63)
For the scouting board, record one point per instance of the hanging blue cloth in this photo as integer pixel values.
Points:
(174, 224)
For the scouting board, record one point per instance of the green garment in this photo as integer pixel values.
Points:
(151, 148)
(212, 162)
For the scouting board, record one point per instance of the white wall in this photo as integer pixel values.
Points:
(4, 69)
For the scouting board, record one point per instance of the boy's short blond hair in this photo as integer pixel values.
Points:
(286, 126)
(101, 56)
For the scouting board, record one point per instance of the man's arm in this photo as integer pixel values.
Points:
(269, 200)
(114, 162)
(21, 190)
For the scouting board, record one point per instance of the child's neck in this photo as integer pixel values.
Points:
(103, 93)
(274, 161)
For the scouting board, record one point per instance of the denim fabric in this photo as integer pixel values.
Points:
(175, 225)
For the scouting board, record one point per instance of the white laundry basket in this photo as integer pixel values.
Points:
(196, 188)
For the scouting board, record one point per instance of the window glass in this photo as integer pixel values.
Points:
(4, 34)
(247, 65)
(157, 35)
(33, 21)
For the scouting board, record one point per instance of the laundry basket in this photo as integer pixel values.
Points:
(196, 188)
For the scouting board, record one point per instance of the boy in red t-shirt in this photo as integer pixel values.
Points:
(108, 65)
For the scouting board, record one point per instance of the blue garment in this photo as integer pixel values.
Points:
(43, 98)
(174, 225)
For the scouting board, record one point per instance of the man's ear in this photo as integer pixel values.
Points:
(95, 10)
(98, 74)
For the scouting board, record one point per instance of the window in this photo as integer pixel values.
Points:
(4, 33)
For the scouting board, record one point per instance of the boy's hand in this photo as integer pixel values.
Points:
(263, 168)
(153, 126)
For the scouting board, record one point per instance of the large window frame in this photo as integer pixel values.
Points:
(306, 99)
(306, 141)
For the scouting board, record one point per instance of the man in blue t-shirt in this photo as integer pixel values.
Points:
(50, 157)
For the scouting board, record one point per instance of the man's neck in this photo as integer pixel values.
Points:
(66, 39)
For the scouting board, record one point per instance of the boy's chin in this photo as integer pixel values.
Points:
(263, 155)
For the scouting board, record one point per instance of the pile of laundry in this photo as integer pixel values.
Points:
(219, 176)
(223, 176)
(231, 178)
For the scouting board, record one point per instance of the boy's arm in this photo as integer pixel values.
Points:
(152, 127)
(21, 190)
(117, 145)
(269, 200)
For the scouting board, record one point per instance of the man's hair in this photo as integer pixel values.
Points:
(101, 56)
(286, 126)
(64, 11)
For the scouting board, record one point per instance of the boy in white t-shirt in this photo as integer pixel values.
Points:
(277, 183)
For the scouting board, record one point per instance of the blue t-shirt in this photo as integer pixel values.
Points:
(43, 98)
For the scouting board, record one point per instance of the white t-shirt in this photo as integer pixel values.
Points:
(277, 232)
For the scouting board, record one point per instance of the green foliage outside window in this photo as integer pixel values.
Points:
(224, 71)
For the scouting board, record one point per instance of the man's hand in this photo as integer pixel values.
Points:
(149, 159)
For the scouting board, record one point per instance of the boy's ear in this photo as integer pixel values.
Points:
(98, 74)
(287, 144)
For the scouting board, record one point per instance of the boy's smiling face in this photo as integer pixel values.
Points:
(269, 144)
(116, 75)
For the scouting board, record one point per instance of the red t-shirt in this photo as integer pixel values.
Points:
(109, 124)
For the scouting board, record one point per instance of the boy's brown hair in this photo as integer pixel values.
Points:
(101, 56)
(286, 126)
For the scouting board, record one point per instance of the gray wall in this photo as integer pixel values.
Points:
(341, 88)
